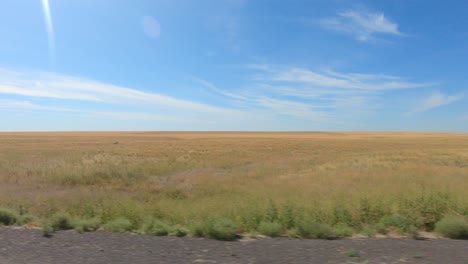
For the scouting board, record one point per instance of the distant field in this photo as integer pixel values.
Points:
(186, 178)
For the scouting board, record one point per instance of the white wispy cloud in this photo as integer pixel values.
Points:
(82, 99)
(275, 92)
(215, 89)
(27, 105)
(56, 86)
(304, 90)
(265, 104)
(363, 25)
(312, 95)
(352, 81)
(304, 111)
(15, 105)
(436, 100)
(330, 91)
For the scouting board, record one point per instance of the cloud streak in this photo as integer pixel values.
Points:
(321, 96)
(294, 95)
(331, 92)
(84, 99)
(332, 79)
(436, 100)
(50, 85)
(362, 25)
(15, 105)
(311, 95)
(267, 105)
(27, 105)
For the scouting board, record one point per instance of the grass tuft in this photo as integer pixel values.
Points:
(352, 253)
(307, 229)
(87, 225)
(178, 231)
(46, 228)
(120, 224)
(196, 230)
(221, 229)
(293, 233)
(455, 227)
(25, 219)
(271, 229)
(343, 231)
(156, 227)
(398, 221)
(369, 230)
(8, 216)
(380, 228)
(62, 221)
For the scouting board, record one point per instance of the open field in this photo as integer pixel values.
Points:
(340, 179)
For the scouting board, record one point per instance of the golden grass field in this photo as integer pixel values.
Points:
(187, 177)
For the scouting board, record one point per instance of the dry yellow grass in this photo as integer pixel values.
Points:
(188, 177)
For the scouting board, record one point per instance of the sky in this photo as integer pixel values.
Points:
(242, 65)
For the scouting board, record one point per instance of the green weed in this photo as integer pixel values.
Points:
(309, 229)
(61, 221)
(271, 229)
(455, 227)
(156, 227)
(221, 229)
(342, 230)
(120, 224)
(87, 225)
(8, 216)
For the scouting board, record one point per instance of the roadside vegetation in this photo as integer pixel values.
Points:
(220, 185)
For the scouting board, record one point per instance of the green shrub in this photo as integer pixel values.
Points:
(152, 226)
(8, 216)
(398, 221)
(413, 231)
(343, 231)
(315, 230)
(196, 230)
(25, 219)
(293, 233)
(46, 228)
(271, 214)
(87, 225)
(61, 221)
(368, 230)
(120, 224)
(342, 215)
(221, 229)
(352, 253)
(178, 231)
(271, 229)
(455, 227)
(380, 228)
(287, 216)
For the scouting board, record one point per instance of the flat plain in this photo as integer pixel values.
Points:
(341, 179)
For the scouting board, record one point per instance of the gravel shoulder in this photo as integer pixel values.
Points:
(19, 245)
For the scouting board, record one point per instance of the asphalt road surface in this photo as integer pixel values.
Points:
(29, 246)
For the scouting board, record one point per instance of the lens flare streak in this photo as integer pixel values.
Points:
(50, 30)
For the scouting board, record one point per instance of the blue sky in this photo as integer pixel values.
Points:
(233, 65)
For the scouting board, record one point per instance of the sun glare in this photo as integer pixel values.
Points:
(50, 30)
